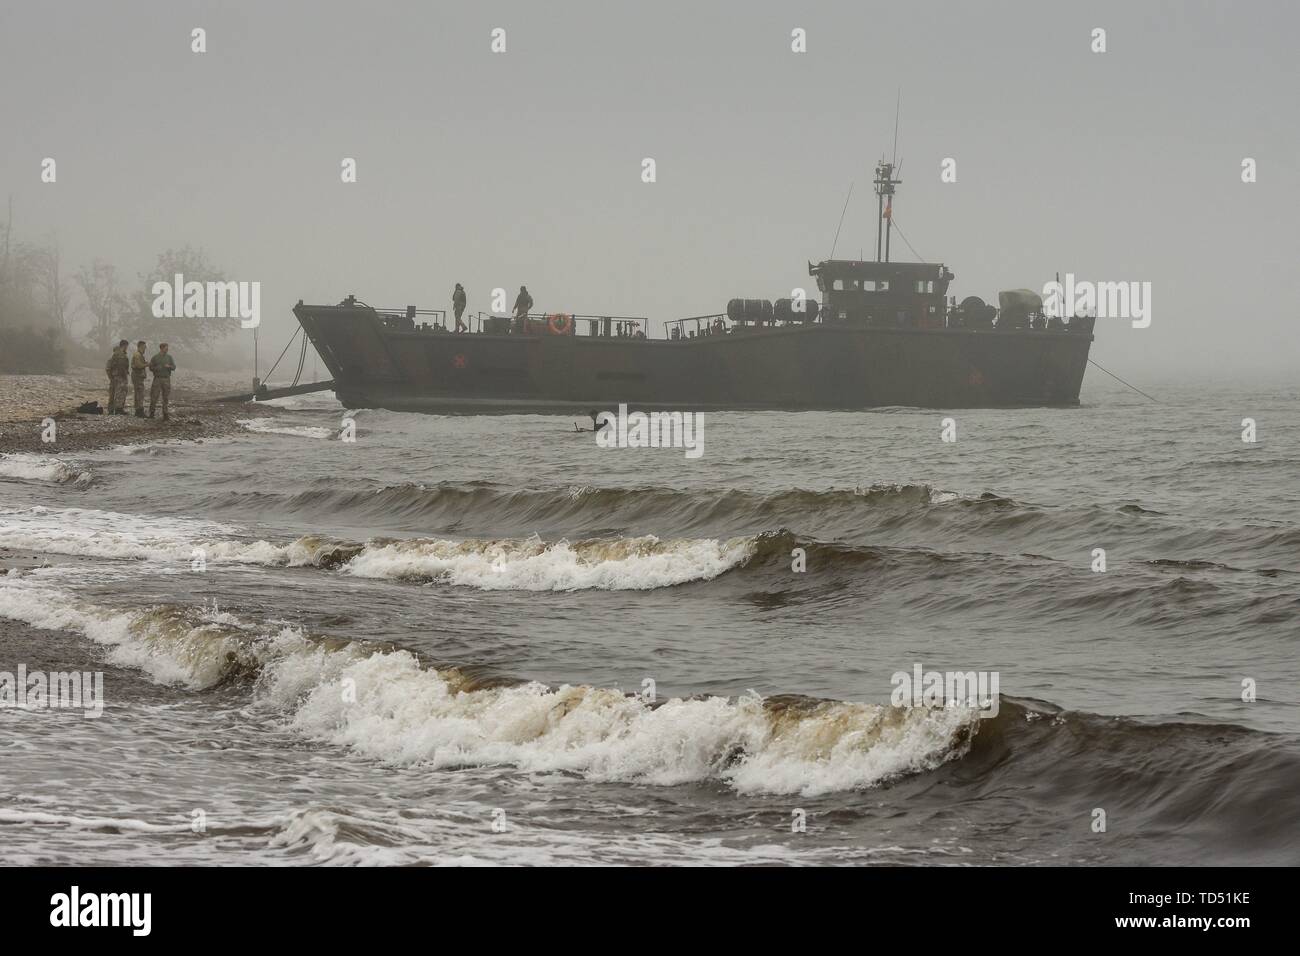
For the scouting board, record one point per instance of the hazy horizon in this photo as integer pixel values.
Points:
(525, 166)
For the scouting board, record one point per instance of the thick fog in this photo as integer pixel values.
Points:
(496, 169)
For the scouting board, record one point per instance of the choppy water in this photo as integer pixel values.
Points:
(397, 642)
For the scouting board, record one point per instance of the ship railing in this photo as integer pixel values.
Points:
(703, 326)
(590, 326)
(719, 324)
(611, 326)
(396, 317)
(594, 326)
(697, 326)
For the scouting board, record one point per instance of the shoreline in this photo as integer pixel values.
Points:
(27, 402)
(189, 421)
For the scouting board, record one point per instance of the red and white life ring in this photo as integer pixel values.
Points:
(560, 324)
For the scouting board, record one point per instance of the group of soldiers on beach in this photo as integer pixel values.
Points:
(120, 365)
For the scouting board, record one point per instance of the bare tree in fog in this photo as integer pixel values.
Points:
(31, 330)
(200, 334)
(54, 286)
(98, 283)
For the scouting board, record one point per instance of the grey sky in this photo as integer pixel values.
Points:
(524, 167)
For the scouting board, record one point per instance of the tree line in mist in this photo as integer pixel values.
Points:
(54, 314)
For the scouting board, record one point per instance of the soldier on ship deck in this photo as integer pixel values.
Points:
(458, 304)
(523, 303)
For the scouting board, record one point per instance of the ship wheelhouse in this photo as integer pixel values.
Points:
(883, 294)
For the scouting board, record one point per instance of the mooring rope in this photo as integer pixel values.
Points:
(286, 348)
(302, 360)
(1121, 381)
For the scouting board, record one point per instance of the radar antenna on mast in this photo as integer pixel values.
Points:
(885, 183)
(898, 103)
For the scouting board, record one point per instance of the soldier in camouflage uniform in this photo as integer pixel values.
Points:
(117, 368)
(162, 365)
(139, 368)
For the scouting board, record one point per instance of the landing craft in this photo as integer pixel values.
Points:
(885, 333)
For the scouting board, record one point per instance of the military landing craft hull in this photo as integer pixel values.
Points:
(795, 366)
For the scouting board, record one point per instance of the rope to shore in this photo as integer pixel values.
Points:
(302, 360)
(1121, 381)
(286, 348)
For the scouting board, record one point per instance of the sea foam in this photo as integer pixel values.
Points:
(525, 564)
(42, 468)
(384, 703)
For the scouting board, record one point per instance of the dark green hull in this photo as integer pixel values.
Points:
(806, 366)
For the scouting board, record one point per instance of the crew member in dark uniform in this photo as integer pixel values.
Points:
(458, 303)
(523, 303)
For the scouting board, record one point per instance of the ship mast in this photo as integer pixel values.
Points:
(885, 183)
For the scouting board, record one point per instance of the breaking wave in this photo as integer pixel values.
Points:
(383, 702)
(269, 426)
(1159, 595)
(882, 513)
(89, 532)
(526, 564)
(43, 468)
(531, 564)
(455, 502)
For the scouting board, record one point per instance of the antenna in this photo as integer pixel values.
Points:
(898, 103)
(885, 182)
(841, 225)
